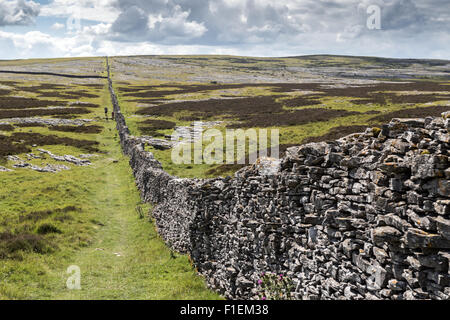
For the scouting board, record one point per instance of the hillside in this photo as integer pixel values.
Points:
(68, 195)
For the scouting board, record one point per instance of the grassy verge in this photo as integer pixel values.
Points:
(86, 217)
(127, 259)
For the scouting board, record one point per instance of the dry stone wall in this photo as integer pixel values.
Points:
(363, 217)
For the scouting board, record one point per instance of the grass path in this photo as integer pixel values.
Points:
(120, 254)
(86, 217)
(127, 259)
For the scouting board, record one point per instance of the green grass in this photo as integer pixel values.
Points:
(86, 217)
(185, 170)
(145, 269)
(288, 134)
(106, 223)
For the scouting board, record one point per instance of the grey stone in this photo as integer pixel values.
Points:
(348, 293)
(443, 227)
(336, 217)
(380, 255)
(396, 285)
(434, 261)
(385, 234)
(414, 263)
(395, 221)
(416, 238)
(442, 207)
(379, 275)
(67, 158)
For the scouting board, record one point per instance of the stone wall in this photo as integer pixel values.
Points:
(363, 217)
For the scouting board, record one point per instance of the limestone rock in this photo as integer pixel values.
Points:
(386, 234)
(363, 217)
(416, 238)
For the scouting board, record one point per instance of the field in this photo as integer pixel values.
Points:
(67, 195)
(308, 99)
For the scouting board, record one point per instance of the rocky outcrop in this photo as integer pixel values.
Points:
(363, 217)
(66, 158)
(49, 168)
(48, 122)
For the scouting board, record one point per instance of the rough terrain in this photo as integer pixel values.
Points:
(363, 217)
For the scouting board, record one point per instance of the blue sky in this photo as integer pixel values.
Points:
(65, 28)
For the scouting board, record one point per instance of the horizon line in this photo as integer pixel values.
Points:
(231, 55)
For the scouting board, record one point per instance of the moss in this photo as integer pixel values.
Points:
(376, 132)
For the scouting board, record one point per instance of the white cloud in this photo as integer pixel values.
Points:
(178, 25)
(132, 21)
(101, 29)
(18, 12)
(36, 44)
(58, 26)
(410, 28)
(136, 24)
(95, 10)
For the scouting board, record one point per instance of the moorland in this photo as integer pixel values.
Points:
(67, 194)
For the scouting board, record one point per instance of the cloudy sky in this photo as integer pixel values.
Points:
(65, 28)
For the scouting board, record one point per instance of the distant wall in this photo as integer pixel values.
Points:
(364, 217)
(54, 74)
